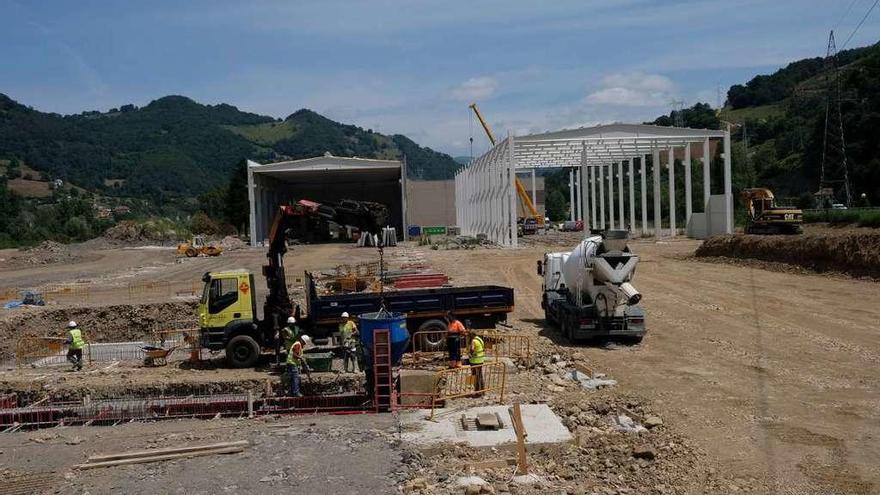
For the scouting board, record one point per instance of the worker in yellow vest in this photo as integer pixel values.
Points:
(294, 363)
(348, 335)
(75, 344)
(476, 359)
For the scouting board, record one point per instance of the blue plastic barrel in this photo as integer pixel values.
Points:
(382, 320)
(414, 231)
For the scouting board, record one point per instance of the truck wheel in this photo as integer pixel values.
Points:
(242, 351)
(432, 341)
(191, 253)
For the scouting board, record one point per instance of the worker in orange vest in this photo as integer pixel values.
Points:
(454, 332)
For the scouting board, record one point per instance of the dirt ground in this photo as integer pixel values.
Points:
(773, 375)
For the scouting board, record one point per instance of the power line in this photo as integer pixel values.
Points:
(860, 24)
(846, 13)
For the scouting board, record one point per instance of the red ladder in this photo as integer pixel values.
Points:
(382, 379)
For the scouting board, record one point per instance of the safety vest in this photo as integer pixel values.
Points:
(290, 334)
(76, 339)
(346, 330)
(294, 354)
(478, 352)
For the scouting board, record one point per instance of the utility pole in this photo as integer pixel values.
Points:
(833, 167)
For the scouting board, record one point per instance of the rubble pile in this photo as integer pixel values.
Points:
(232, 243)
(47, 252)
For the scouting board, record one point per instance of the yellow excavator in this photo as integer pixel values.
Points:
(765, 217)
(532, 219)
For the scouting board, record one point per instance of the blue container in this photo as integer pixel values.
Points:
(382, 320)
(414, 231)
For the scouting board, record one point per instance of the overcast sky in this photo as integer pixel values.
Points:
(412, 66)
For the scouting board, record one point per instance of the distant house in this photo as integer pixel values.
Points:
(57, 183)
(121, 210)
(102, 212)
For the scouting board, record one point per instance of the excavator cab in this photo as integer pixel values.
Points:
(765, 217)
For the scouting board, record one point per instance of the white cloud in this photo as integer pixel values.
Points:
(475, 88)
(635, 89)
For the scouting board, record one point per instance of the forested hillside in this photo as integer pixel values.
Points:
(778, 128)
(171, 158)
(177, 147)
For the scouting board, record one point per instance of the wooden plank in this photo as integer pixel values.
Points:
(173, 450)
(156, 458)
(522, 465)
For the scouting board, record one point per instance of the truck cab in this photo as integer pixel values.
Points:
(227, 316)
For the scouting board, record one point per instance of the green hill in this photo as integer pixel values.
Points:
(175, 147)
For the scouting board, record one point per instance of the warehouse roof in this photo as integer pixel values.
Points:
(601, 144)
(312, 169)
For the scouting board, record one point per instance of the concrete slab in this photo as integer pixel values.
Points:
(542, 425)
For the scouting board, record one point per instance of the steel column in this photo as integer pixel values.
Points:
(707, 176)
(601, 171)
(571, 193)
(610, 196)
(621, 224)
(643, 173)
(671, 158)
(655, 166)
(728, 193)
(688, 203)
(632, 197)
(595, 221)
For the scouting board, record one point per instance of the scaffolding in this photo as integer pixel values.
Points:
(597, 157)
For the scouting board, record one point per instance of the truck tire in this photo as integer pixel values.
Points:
(191, 253)
(242, 351)
(432, 342)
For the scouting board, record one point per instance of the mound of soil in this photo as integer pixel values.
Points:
(46, 253)
(853, 253)
(100, 324)
(232, 243)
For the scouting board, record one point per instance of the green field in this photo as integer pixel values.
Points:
(752, 113)
(861, 218)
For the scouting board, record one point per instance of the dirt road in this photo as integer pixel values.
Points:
(774, 374)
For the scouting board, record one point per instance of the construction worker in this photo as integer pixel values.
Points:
(348, 334)
(454, 332)
(290, 333)
(476, 359)
(294, 363)
(75, 344)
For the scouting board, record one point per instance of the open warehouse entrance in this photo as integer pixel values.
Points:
(325, 178)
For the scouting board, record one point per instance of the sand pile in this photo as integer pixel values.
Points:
(853, 253)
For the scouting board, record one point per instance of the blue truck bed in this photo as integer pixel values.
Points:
(484, 305)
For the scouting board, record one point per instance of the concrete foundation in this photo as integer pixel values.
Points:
(541, 423)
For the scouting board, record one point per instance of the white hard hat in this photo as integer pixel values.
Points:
(345, 314)
(71, 324)
(291, 320)
(307, 340)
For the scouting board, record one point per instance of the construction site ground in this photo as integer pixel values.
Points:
(766, 381)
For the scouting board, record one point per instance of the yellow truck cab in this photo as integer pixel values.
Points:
(227, 316)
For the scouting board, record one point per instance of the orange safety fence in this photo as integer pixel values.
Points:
(44, 351)
(67, 292)
(469, 381)
(154, 288)
(429, 344)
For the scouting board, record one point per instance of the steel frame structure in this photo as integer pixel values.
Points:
(485, 196)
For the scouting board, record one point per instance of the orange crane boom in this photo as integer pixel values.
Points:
(524, 198)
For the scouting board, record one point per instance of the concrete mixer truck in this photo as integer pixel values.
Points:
(587, 291)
